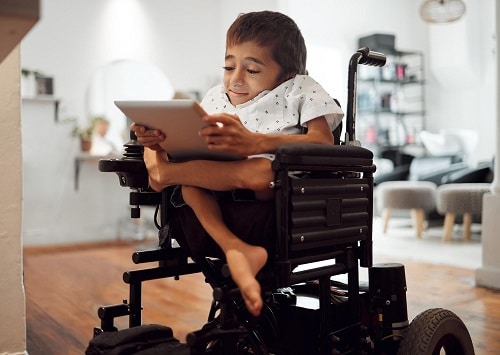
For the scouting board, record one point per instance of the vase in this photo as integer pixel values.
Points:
(85, 144)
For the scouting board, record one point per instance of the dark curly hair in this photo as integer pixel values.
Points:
(268, 28)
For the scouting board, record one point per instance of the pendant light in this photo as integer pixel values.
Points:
(442, 11)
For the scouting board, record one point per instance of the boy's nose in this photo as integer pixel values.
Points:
(237, 78)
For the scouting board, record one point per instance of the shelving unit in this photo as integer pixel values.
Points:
(391, 103)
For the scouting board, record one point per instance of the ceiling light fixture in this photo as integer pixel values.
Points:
(442, 11)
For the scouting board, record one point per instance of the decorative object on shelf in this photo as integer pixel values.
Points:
(44, 85)
(33, 83)
(85, 136)
(93, 137)
(442, 11)
(379, 42)
(28, 83)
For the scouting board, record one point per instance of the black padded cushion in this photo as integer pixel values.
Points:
(320, 154)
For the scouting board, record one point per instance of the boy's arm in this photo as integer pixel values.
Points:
(234, 138)
(253, 174)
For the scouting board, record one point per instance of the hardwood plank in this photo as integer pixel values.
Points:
(65, 286)
(65, 289)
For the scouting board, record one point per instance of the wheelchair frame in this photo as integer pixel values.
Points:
(324, 211)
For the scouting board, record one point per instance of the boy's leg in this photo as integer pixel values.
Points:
(244, 260)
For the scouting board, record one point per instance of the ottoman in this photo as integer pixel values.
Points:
(465, 199)
(417, 196)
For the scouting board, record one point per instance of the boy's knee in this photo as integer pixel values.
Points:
(188, 192)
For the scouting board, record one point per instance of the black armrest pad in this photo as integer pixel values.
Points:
(311, 149)
(319, 154)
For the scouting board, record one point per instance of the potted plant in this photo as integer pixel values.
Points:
(85, 136)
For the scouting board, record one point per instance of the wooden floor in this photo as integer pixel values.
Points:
(65, 287)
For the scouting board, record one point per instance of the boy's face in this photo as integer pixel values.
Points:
(249, 69)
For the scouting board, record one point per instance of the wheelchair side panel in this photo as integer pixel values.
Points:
(327, 213)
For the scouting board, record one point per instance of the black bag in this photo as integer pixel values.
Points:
(148, 339)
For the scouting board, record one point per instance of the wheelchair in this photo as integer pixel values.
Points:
(321, 235)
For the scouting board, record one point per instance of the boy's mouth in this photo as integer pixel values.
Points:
(234, 95)
(232, 92)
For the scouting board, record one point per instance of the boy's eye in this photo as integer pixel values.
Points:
(227, 68)
(253, 71)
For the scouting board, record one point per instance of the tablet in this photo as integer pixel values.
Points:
(180, 121)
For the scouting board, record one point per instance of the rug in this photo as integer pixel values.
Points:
(401, 243)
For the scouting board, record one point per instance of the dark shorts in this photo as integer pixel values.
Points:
(252, 221)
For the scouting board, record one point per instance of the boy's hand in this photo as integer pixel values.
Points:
(224, 132)
(150, 138)
(156, 162)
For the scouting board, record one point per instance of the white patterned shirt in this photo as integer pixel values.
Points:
(282, 110)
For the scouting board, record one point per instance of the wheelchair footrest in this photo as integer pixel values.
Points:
(148, 339)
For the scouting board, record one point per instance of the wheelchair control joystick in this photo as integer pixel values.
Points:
(132, 172)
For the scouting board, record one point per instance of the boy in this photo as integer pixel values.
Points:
(266, 100)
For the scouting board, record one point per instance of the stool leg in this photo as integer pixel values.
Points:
(386, 215)
(449, 222)
(467, 225)
(418, 218)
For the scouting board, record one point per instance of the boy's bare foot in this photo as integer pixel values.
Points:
(244, 262)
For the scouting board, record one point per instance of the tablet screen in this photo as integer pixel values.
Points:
(180, 121)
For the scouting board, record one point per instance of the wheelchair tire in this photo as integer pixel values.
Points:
(435, 330)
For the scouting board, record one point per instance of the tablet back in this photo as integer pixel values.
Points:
(180, 121)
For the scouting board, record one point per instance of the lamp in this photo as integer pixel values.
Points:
(442, 11)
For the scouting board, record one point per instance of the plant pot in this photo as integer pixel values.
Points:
(85, 145)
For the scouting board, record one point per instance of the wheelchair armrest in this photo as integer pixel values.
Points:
(131, 172)
(324, 156)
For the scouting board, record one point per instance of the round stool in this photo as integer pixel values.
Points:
(417, 196)
(464, 199)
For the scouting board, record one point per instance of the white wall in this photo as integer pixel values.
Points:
(462, 75)
(460, 57)
(186, 40)
(72, 41)
(332, 28)
(183, 38)
(65, 44)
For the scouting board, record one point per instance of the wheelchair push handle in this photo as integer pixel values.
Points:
(372, 58)
(365, 57)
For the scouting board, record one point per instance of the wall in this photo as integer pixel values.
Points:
(12, 308)
(462, 68)
(72, 41)
(332, 28)
(331, 34)
(54, 210)
(62, 46)
(465, 51)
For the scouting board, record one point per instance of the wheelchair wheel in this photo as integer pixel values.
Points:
(436, 331)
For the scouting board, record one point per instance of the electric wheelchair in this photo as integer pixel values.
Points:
(320, 228)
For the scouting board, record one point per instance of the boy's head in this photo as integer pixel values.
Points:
(274, 30)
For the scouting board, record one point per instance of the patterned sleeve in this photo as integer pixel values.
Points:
(312, 100)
